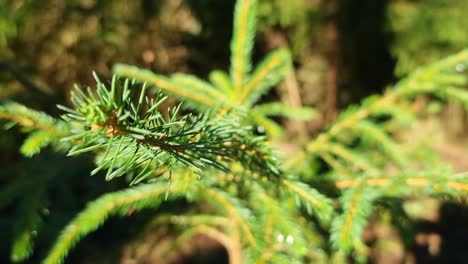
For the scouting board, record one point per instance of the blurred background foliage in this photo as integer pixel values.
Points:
(426, 31)
(342, 51)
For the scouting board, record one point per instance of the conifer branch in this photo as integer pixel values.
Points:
(311, 199)
(423, 81)
(279, 109)
(234, 208)
(232, 247)
(242, 41)
(117, 203)
(255, 210)
(29, 221)
(165, 84)
(136, 138)
(268, 73)
(387, 144)
(221, 80)
(347, 228)
(191, 220)
(355, 159)
(405, 184)
(240, 91)
(31, 119)
(279, 225)
(44, 129)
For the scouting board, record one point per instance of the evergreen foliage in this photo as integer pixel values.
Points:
(239, 90)
(260, 210)
(426, 31)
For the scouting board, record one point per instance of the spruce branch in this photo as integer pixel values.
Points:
(267, 74)
(435, 79)
(117, 203)
(279, 226)
(213, 226)
(231, 245)
(29, 221)
(279, 109)
(346, 229)
(356, 160)
(238, 92)
(242, 41)
(197, 100)
(383, 140)
(135, 137)
(221, 80)
(30, 119)
(438, 182)
(240, 215)
(44, 130)
(313, 201)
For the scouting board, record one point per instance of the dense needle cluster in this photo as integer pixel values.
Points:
(138, 139)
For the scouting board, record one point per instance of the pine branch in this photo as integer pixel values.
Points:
(238, 92)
